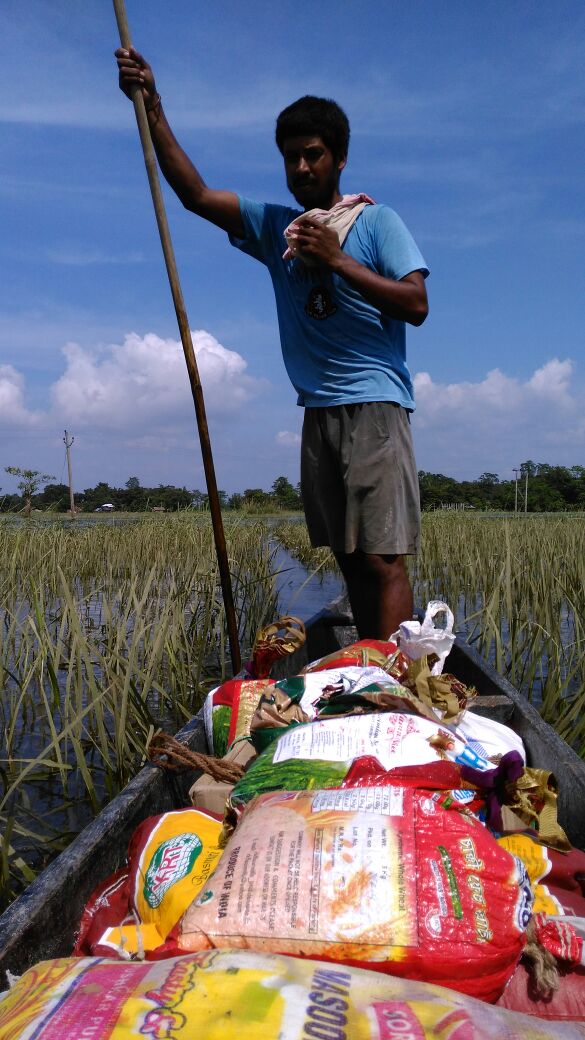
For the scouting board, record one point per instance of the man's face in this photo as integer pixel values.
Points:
(312, 172)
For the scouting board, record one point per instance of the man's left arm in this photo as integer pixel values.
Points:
(405, 300)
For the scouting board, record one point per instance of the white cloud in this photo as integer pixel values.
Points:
(463, 429)
(144, 380)
(13, 411)
(287, 439)
(552, 382)
(130, 407)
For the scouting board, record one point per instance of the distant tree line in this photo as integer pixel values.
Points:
(544, 488)
(547, 489)
(135, 498)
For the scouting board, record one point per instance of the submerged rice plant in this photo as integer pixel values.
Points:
(109, 631)
(106, 633)
(517, 588)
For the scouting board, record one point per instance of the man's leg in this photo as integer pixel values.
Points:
(360, 488)
(379, 592)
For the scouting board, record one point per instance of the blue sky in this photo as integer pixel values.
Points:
(467, 118)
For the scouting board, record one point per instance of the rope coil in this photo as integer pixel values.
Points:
(169, 753)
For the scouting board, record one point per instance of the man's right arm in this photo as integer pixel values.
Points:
(219, 207)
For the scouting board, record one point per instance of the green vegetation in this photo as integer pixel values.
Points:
(539, 487)
(106, 633)
(517, 588)
(29, 484)
(133, 498)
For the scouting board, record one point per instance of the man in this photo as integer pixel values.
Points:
(342, 306)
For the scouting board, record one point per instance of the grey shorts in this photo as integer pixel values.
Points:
(359, 480)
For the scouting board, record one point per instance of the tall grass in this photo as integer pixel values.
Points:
(517, 588)
(106, 633)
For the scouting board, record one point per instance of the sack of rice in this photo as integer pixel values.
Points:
(377, 876)
(244, 995)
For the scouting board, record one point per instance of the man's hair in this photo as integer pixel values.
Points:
(317, 117)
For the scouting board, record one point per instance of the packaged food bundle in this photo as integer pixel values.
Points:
(364, 654)
(229, 708)
(211, 790)
(379, 876)
(339, 691)
(170, 857)
(244, 995)
(488, 737)
(367, 676)
(276, 710)
(322, 753)
(336, 690)
(260, 708)
(227, 712)
(277, 640)
(441, 779)
(313, 690)
(446, 694)
(443, 695)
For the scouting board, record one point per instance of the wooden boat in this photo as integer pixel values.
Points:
(41, 923)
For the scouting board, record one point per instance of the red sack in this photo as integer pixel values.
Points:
(567, 1004)
(228, 710)
(107, 907)
(383, 654)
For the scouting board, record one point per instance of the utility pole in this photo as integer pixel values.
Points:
(68, 444)
(526, 491)
(516, 472)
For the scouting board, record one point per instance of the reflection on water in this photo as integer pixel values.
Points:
(302, 593)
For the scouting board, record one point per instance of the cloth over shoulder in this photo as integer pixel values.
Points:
(340, 218)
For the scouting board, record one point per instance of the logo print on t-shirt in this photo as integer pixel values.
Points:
(319, 303)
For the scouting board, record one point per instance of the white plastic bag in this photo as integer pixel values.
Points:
(488, 737)
(418, 638)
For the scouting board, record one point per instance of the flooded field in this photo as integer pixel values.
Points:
(109, 630)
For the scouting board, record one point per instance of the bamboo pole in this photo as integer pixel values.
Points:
(184, 329)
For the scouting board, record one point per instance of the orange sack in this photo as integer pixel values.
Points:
(379, 877)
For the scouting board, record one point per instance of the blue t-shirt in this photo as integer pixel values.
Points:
(337, 347)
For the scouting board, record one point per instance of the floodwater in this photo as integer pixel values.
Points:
(298, 593)
(303, 594)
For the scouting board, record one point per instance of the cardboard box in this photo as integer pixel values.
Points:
(211, 795)
(242, 753)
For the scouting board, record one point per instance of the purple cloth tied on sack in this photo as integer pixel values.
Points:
(493, 784)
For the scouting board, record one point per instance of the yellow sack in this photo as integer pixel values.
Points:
(241, 995)
(170, 858)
